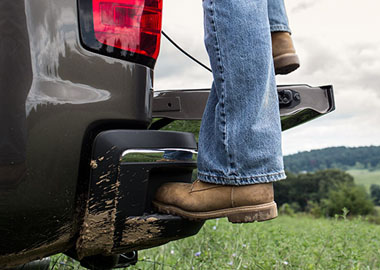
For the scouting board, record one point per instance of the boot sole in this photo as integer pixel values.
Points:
(286, 63)
(243, 214)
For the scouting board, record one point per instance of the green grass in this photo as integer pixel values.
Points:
(365, 177)
(284, 243)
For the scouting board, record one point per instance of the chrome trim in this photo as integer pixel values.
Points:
(152, 155)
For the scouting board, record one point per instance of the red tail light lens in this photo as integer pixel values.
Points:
(128, 26)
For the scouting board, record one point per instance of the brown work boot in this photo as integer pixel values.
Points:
(284, 55)
(200, 201)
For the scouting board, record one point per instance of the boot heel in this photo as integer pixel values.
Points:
(287, 63)
(252, 216)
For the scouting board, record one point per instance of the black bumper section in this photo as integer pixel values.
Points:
(119, 216)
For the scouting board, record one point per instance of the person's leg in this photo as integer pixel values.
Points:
(284, 54)
(240, 138)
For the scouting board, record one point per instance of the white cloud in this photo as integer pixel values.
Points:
(183, 22)
(301, 6)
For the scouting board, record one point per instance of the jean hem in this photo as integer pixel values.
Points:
(280, 28)
(239, 181)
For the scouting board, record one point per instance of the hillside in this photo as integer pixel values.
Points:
(367, 157)
(365, 178)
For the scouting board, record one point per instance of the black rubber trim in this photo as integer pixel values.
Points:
(330, 94)
(138, 182)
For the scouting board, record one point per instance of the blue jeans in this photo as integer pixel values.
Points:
(278, 20)
(240, 136)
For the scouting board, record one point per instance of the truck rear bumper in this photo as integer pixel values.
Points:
(125, 174)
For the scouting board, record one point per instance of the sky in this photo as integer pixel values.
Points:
(338, 43)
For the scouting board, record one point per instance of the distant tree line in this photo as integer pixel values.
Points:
(343, 158)
(323, 193)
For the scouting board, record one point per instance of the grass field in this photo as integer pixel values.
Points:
(284, 243)
(365, 177)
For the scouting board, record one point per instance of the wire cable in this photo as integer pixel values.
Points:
(184, 52)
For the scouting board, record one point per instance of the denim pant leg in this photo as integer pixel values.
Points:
(278, 19)
(240, 137)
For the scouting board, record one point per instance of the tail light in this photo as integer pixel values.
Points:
(125, 29)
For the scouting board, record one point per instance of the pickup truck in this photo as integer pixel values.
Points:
(80, 138)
